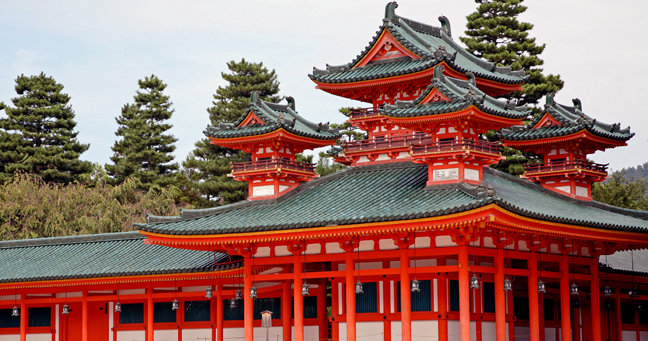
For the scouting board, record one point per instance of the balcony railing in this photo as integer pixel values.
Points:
(571, 165)
(457, 146)
(272, 164)
(386, 143)
(356, 114)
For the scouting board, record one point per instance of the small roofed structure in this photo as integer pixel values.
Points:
(273, 134)
(564, 135)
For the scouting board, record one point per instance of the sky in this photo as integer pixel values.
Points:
(99, 50)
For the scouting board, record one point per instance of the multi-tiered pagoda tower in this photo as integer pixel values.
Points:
(565, 136)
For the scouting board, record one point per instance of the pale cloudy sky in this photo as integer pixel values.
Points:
(99, 49)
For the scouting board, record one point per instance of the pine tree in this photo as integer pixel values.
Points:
(144, 152)
(495, 34)
(209, 164)
(37, 136)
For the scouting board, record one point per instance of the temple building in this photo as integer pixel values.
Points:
(418, 239)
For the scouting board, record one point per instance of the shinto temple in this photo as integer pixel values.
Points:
(418, 239)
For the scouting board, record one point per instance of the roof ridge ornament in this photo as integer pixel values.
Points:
(511, 103)
(254, 96)
(471, 78)
(549, 100)
(577, 104)
(390, 10)
(438, 72)
(291, 102)
(445, 25)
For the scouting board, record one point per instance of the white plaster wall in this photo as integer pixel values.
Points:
(643, 336)
(629, 335)
(276, 333)
(282, 251)
(12, 337)
(365, 331)
(131, 335)
(387, 244)
(234, 333)
(489, 331)
(396, 331)
(166, 334)
(313, 249)
(73, 294)
(425, 330)
(39, 337)
(454, 331)
(473, 330)
(522, 333)
(334, 248)
(311, 333)
(444, 241)
(550, 334)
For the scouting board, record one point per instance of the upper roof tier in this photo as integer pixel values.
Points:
(559, 120)
(459, 95)
(264, 118)
(415, 48)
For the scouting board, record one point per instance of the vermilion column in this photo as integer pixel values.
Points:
(350, 296)
(534, 319)
(149, 317)
(617, 315)
(595, 301)
(321, 310)
(23, 318)
(84, 317)
(500, 297)
(287, 316)
(248, 302)
(406, 304)
(442, 300)
(464, 294)
(564, 300)
(299, 299)
(219, 312)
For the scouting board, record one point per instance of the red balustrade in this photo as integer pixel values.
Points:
(386, 143)
(571, 165)
(272, 164)
(457, 146)
(356, 114)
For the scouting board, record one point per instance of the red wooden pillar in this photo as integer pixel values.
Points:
(386, 299)
(350, 296)
(23, 318)
(595, 301)
(406, 304)
(564, 300)
(541, 315)
(299, 299)
(286, 311)
(149, 315)
(248, 302)
(464, 294)
(617, 315)
(84, 317)
(500, 297)
(534, 318)
(321, 310)
(442, 298)
(219, 312)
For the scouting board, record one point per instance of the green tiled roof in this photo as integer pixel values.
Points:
(432, 44)
(99, 255)
(622, 261)
(461, 94)
(389, 193)
(275, 117)
(572, 119)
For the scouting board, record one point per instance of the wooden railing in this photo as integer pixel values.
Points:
(355, 114)
(273, 164)
(457, 146)
(386, 143)
(571, 165)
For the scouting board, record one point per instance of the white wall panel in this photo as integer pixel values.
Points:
(550, 334)
(234, 333)
(396, 331)
(425, 330)
(276, 333)
(197, 334)
(39, 337)
(489, 331)
(130, 335)
(629, 335)
(643, 336)
(522, 333)
(454, 330)
(311, 333)
(10, 337)
(166, 334)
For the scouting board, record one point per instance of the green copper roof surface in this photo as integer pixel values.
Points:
(432, 44)
(275, 117)
(100, 255)
(572, 119)
(461, 94)
(389, 193)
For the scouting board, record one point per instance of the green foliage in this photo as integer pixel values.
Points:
(514, 159)
(495, 34)
(349, 132)
(303, 158)
(621, 192)
(37, 136)
(208, 165)
(326, 166)
(144, 152)
(33, 208)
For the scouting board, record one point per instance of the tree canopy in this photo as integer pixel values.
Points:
(37, 136)
(208, 165)
(622, 192)
(144, 150)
